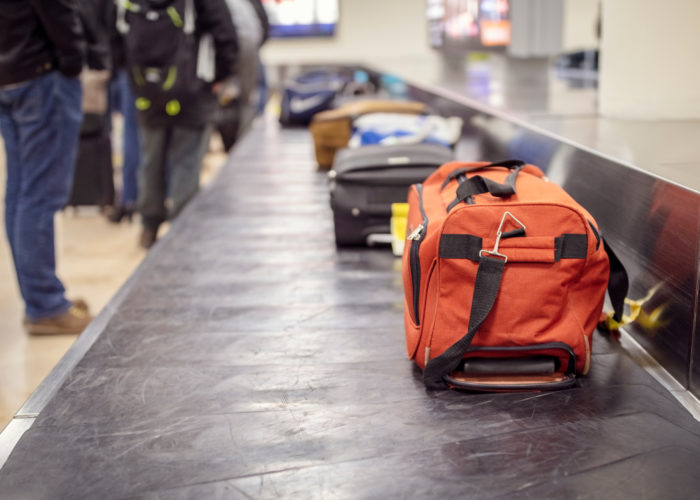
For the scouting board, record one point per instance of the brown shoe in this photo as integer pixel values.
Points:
(148, 237)
(71, 322)
(80, 304)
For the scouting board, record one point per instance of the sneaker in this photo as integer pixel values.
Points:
(71, 322)
(148, 237)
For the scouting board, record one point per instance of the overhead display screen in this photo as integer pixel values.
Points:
(301, 18)
(469, 23)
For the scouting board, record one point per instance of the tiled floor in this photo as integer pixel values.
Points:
(94, 258)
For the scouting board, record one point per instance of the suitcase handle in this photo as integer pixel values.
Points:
(511, 164)
(534, 373)
(540, 382)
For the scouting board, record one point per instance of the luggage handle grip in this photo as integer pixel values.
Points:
(522, 383)
(479, 185)
(511, 164)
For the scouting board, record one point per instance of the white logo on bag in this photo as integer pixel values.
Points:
(299, 105)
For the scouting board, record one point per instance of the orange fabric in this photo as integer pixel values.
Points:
(541, 300)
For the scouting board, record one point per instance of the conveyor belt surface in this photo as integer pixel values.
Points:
(250, 359)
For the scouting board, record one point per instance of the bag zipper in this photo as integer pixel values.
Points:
(416, 238)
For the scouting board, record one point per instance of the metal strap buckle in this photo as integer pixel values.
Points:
(494, 252)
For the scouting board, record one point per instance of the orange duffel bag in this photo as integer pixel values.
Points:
(504, 277)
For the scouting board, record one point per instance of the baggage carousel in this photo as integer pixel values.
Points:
(248, 358)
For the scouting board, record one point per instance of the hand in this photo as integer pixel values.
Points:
(226, 90)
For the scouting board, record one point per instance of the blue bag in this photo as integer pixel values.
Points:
(308, 94)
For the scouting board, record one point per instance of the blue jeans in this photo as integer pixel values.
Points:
(40, 124)
(122, 100)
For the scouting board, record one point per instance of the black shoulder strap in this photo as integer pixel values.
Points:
(486, 286)
(618, 284)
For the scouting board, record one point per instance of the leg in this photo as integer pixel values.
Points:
(152, 180)
(186, 152)
(248, 67)
(48, 116)
(228, 129)
(262, 87)
(131, 142)
(8, 129)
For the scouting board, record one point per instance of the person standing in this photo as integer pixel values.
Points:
(42, 52)
(121, 99)
(178, 53)
(252, 27)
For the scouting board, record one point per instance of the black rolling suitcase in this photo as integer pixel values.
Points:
(93, 182)
(365, 182)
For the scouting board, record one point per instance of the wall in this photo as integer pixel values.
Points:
(580, 23)
(649, 52)
(375, 31)
(537, 27)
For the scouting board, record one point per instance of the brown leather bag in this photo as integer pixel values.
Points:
(332, 129)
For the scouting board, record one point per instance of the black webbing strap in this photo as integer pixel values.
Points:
(460, 171)
(460, 246)
(571, 246)
(618, 284)
(453, 204)
(468, 246)
(479, 185)
(486, 286)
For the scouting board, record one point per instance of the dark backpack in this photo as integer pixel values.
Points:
(161, 53)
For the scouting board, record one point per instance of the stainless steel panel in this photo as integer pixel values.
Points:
(11, 435)
(695, 345)
(653, 226)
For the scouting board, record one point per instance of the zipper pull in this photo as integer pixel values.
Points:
(416, 233)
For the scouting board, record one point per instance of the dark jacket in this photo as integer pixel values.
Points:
(97, 17)
(37, 36)
(214, 17)
(264, 20)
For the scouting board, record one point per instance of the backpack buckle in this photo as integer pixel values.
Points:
(494, 252)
